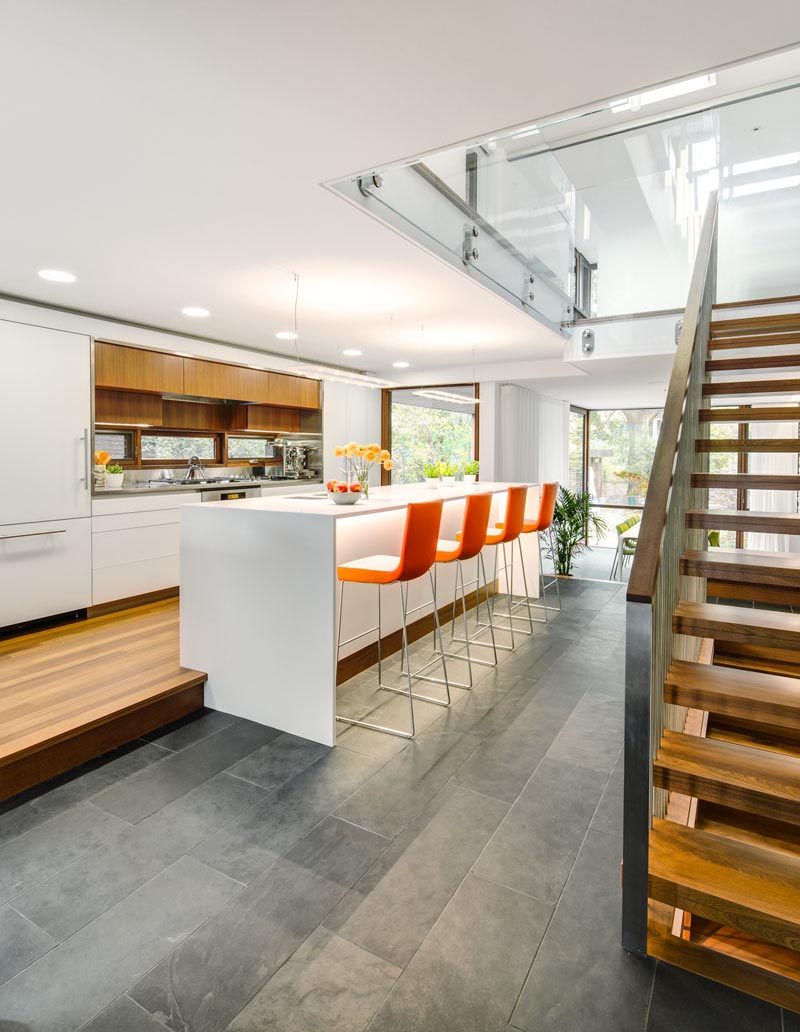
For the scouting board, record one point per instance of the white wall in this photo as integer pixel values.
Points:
(348, 414)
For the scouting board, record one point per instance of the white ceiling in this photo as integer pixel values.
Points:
(610, 383)
(171, 154)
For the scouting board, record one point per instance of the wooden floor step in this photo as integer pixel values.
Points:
(735, 624)
(732, 365)
(744, 565)
(767, 699)
(748, 481)
(753, 780)
(755, 324)
(785, 385)
(750, 414)
(766, 659)
(754, 522)
(753, 444)
(739, 885)
(754, 340)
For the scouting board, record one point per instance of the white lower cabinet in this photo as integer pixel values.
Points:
(45, 569)
(135, 545)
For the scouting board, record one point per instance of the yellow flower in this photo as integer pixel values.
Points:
(374, 447)
(371, 454)
(388, 464)
(361, 450)
(351, 449)
(385, 455)
(338, 451)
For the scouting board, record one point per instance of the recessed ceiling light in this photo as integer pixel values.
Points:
(352, 352)
(400, 365)
(196, 313)
(286, 335)
(57, 275)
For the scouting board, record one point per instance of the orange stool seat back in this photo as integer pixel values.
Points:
(476, 520)
(514, 518)
(418, 551)
(547, 508)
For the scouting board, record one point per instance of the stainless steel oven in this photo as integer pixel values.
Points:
(230, 494)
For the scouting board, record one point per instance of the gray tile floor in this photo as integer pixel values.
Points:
(224, 876)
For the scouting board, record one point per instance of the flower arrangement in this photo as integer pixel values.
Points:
(359, 457)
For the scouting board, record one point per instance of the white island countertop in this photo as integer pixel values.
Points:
(381, 499)
(258, 577)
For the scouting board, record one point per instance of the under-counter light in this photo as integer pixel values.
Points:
(195, 313)
(140, 426)
(401, 365)
(352, 352)
(57, 275)
(286, 335)
(655, 96)
(182, 354)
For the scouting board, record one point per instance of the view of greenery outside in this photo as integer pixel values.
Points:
(247, 447)
(576, 439)
(116, 444)
(172, 448)
(622, 443)
(421, 435)
(723, 462)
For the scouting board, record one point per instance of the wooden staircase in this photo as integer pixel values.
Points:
(724, 869)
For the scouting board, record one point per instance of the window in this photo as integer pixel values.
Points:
(430, 429)
(577, 444)
(118, 443)
(250, 448)
(585, 292)
(622, 444)
(166, 447)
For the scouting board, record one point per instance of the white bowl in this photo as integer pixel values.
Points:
(342, 498)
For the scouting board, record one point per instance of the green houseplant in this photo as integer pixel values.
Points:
(572, 519)
(431, 473)
(471, 471)
(448, 471)
(114, 476)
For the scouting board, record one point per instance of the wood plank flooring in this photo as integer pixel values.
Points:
(70, 693)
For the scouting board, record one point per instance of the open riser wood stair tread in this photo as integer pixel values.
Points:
(757, 522)
(787, 385)
(754, 325)
(750, 414)
(748, 481)
(736, 624)
(766, 699)
(782, 360)
(756, 780)
(752, 444)
(739, 885)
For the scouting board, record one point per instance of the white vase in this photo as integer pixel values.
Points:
(432, 482)
(114, 481)
(469, 478)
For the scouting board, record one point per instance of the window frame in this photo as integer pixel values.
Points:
(114, 428)
(157, 431)
(386, 417)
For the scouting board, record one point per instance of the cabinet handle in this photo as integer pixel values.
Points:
(86, 478)
(35, 533)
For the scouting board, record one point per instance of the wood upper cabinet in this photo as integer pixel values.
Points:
(128, 407)
(135, 369)
(266, 417)
(203, 379)
(293, 391)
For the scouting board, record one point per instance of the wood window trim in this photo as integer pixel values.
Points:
(157, 431)
(386, 418)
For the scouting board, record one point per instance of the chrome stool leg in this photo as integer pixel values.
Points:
(405, 659)
(397, 732)
(473, 639)
(533, 603)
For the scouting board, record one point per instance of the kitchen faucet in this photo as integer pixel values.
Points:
(195, 470)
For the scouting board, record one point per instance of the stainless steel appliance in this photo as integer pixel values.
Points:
(302, 460)
(230, 494)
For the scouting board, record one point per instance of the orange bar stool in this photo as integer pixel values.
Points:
(417, 555)
(469, 544)
(543, 524)
(506, 533)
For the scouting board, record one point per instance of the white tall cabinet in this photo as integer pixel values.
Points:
(45, 472)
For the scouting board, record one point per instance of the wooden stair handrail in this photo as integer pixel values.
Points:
(644, 572)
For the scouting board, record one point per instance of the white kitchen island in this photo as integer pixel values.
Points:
(259, 594)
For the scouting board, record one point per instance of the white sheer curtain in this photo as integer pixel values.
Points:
(534, 436)
(773, 501)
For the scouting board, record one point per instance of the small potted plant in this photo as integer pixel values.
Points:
(471, 470)
(449, 470)
(114, 476)
(431, 473)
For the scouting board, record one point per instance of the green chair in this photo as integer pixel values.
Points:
(625, 549)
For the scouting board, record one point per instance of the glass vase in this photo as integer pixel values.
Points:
(362, 477)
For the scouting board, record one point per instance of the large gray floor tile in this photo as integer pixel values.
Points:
(328, 985)
(210, 977)
(72, 983)
(142, 794)
(582, 978)
(21, 943)
(247, 846)
(190, 730)
(392, 908)
(536, 844)
(400, 789)
(610, 810)
(48, 847)
(692, 1004)
(467, 973)
(124, 1015)
(84, 890)
(278, 761)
